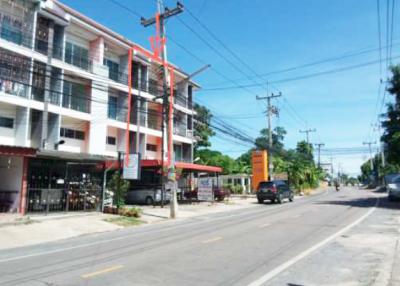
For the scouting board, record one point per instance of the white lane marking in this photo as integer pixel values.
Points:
(130, 235)
(296, 216)
(264, 225)
(271, 274)
(212, 239)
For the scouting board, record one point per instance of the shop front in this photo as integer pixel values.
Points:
(61, 185)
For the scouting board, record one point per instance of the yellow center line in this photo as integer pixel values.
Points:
(264, 225)
(212, 239)
(103, 271)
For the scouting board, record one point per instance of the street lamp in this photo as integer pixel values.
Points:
(61, 142)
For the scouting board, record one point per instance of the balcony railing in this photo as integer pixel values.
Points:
(76, 103)
(14, 87)
(180, 129)
(15, 35)
(154, 121)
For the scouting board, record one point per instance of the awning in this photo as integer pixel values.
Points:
(180, 165)
(72, 156)
(6, 150)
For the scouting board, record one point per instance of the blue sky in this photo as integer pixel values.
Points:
(271, 35)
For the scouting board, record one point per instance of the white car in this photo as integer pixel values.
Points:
(393, 189)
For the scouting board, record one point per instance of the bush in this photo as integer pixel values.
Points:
(131, 212)
(238, 189)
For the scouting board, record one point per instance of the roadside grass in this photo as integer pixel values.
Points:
(124, 221)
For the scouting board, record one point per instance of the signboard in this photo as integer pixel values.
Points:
(205, 189)
(132, 169)
(260, 167)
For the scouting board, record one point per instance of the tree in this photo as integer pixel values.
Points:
(278, 135)
(391, 124)
(202, 128)
(119, 192)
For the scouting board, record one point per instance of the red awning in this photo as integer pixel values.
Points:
(6, 150)
(181, 165)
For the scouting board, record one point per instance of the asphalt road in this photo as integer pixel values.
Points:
(245, 247)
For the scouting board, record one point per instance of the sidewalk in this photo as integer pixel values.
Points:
(368, 254)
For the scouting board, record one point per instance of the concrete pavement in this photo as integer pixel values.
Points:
(234, 248)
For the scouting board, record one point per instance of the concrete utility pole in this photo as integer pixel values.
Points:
(308, 131)
(319, 145)
(377, 127)
(159, 19)
(270, 112)
(370, 153)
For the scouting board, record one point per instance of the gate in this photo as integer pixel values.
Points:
(63, 186)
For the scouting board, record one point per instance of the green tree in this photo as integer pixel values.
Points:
(391, 123)
(119, 192)
(202, 129)
(278, 135)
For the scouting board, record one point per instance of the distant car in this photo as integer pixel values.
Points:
(274, 191)
(393, 189)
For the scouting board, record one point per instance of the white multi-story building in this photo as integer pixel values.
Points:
(63, 104)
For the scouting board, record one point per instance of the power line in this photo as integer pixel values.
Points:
(307, 76)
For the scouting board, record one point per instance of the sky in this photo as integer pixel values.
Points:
(270, 36)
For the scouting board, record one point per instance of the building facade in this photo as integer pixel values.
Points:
(64, 104)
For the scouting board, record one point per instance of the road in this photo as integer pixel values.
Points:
(265, 245)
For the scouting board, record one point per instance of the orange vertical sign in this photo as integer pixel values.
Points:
(260, 167)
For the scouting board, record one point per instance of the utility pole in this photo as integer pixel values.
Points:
(370, 153)
(377, 127)
(319, 145)
(159, 20)
(308, 131)
(270, 112)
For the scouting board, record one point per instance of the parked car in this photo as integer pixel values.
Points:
(146, 196)
(274, 191)
(393, 189)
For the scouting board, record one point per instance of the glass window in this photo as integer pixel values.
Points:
(76, 56)
(112, 107)
(6, 122)
(151, 147)
(111, 140)
(113, 69)
(73, 134)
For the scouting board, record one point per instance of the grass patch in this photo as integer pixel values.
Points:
(124, 221)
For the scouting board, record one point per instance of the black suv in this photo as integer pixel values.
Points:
(274, 191)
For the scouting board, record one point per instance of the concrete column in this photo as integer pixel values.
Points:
(243, 185)
(98, 124)
(24, 187)
(47, 85)
(22, 126)
(96, 51)
(54, 130)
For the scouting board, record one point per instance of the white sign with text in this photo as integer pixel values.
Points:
(205, 189)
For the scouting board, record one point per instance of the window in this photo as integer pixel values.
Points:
(111, 140)
(75, 97)
(6, 122)
(112, 107)
(151, 147)
(77, 56)
(113, 69)
(71, 133)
